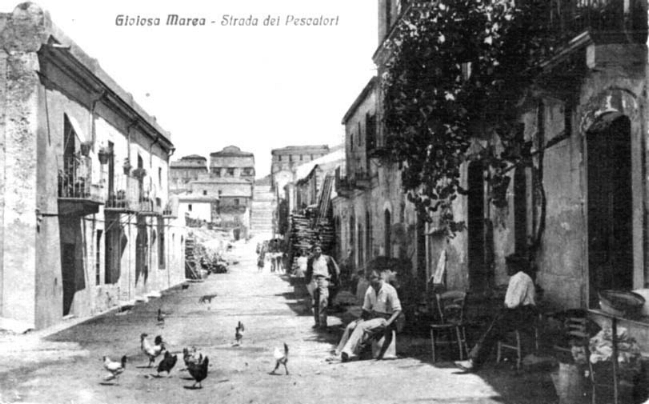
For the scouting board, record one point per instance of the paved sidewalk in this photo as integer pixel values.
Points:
(66, 367)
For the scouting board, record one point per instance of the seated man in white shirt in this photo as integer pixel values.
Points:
(381, 307)
(519, 311)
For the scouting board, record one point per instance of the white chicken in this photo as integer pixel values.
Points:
(114, 368)
(152, 351)
(281, 358)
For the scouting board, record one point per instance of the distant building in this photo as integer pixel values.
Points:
(231, 162)
(188, 168)
(221, 195)
(286, 160)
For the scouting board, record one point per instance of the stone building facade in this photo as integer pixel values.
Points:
(584, 189)
(371, 213)
(227, 186)
(286, 160)
(84, 184)
(183, 171)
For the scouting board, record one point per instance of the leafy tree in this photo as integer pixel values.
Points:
(460, 70)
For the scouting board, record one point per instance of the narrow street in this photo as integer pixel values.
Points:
(66, 367)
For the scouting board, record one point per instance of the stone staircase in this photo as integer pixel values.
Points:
(263, 206)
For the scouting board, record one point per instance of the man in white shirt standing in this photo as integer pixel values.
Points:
(321, 272)
(519, 311)
(381, 308)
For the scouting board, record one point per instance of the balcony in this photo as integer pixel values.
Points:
(608, 21)
(169, 212)
(131, 195)
(149, 204)
(77, 195)
(361, 180)
(124, 198)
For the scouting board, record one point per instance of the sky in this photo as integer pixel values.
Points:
(257, 87)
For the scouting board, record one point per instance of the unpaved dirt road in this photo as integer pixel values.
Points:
(67, 366)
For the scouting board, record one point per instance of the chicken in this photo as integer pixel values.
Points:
(280, 359)
(199, 370)
(160, 318)
(190, 358)
(152, 351)
(167, 363)
(114, 368)
(238, 332)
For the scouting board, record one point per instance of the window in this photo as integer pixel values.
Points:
(279, 158)
(370, 131)
(160, 176)
(236, 202)
(189, 207)
(204, 192)
(230, 172)
(290, 158)
(301, 157)
(360, 136)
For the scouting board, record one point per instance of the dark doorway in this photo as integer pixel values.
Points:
(114, 248)
(421, 250)
(520, 211)
(68, 275)
(476, 201)
(352, 239)
(368, 237)
(388, 233)
(141, 251)
(610, 241)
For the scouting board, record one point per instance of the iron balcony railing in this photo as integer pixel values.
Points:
(134, 195)
(124, 195)
(75, 180)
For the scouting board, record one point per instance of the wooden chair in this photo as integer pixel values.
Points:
(516, 344)
(450, 306)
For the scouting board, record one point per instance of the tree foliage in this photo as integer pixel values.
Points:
(459, 70)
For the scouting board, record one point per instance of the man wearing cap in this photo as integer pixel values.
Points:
(519, 310)
(321, 272)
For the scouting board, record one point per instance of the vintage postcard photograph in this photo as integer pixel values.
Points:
(310, 201)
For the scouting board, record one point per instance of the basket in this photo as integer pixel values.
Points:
(620, 302)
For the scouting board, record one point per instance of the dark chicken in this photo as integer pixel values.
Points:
(167, 363)
(199, 370)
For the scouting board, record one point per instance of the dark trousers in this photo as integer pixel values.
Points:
(507, 320)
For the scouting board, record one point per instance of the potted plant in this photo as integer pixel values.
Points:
(127, 166)
(104, 154)
(139, 173)
(85, 148)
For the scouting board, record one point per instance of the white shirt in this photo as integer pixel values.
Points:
(520, 291)
(320, 266)
(386, 301)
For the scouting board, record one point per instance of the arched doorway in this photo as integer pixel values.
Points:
(476, 210)
(610, 210)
